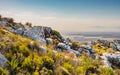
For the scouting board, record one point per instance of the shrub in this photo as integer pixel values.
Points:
(36, 73)
(59, 58)
(54, 32)
(28, 24)
(75, 45)
(46, 71)
(13, 64)
(32, 62)
(11, 20)
(81, 70)
(87, 65)
(101, 49)
(61, 71)
(23, 49)
(55, 41)
(48, 62)
(68, 66)
(107, 71)
(3, 71)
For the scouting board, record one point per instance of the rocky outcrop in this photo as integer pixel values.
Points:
(111, 59)
(45, 35)
(105, 43)
(116, 45)
(87, 49)
(63, 46)
(36, 33)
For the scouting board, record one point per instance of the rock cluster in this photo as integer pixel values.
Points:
(110, 59)
(81, 50)
(105, 43)
(116, 45)
(38, 33)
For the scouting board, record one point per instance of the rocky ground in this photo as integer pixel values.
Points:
(39, 50)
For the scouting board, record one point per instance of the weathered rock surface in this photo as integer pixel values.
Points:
(3, 60)
(36, 33)
(105, 43)
(110, 59)
(116, 46)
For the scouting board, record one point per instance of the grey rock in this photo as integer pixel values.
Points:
(42, 48)
(112, 59)
(116, 46)
(61, 45)
(3, 60)
(36, 33)
(76, 52)
(49, 41)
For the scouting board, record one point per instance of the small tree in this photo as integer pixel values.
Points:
(11, 20)
(0, 17)
(28, 24)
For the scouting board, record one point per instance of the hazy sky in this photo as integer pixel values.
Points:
(66, 15)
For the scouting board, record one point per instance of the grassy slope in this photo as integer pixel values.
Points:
(24, 58)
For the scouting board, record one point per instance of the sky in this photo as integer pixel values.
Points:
(66, 15)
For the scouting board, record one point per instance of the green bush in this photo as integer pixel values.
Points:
(32, 62)
(68, 66)
(23, 49)
(48, 62)
(11, 20)
(54, 32)
(107, 71)
(13, 64)
(3, 71)
(46, 71)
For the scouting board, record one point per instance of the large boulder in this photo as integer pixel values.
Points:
(36, 33)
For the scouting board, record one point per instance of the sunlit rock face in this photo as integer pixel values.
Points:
(12, 26)
(110, 59)
(36, 33)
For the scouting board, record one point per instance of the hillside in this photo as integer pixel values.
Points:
(38, 50)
